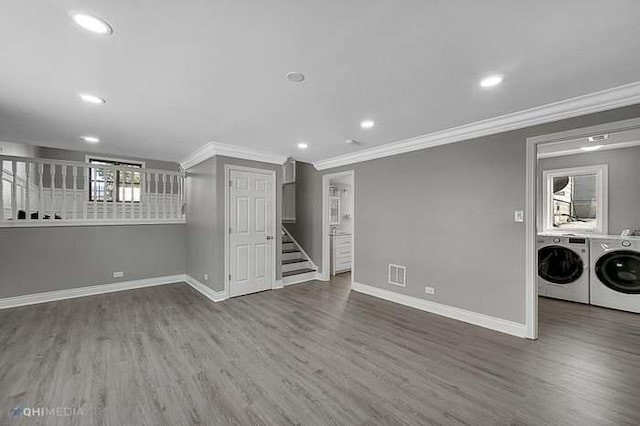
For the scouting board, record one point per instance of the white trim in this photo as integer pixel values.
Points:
(90, 290)
(604, 100)
(214, 148)
(531, 258)
(602, 178)
(578, 151)
(208, 292)
(320, 277)
(88, 157)
(227, 241)
(300, 278)
(531, 261)
(300, 247)
(482, 320)
(279, 284)
(326, 238)
(50, 223)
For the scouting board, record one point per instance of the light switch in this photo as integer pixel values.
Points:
(518, 216)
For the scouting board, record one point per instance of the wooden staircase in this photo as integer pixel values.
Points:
(295, 263)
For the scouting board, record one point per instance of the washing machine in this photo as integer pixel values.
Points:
(615, 273)
(563, 268)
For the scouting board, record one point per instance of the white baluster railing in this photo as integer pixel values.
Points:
(43, 192)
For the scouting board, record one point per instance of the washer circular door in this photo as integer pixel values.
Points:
(559, 265)
(620, 271)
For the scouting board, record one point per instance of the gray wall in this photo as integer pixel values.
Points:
(34, 260)
(308, 212)
(205, 218)
(447, 214)
(202, 225)
(624, 178)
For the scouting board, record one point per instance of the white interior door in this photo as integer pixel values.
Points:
(252, 244)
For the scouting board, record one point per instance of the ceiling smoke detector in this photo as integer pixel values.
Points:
(295, 77)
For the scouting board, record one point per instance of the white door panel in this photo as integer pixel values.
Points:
(252, 247)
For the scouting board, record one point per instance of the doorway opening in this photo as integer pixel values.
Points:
(338, 224)
(581, 211)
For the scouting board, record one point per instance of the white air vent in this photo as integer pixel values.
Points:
(397, 275)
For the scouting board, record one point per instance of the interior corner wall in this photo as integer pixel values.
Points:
(447, 214)
(624, 177)
(202, 223)
(307, 229)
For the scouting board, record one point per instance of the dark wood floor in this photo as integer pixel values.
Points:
(311, 354)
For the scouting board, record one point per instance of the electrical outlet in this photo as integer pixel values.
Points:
(118, 274)
(206, 277)
(518, 216)
(430, 290)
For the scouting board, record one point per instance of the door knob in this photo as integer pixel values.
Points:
(269, 237)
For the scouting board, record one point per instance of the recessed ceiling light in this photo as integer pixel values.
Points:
(295, 76)
(349, 141)
(92, 99)
(367, 124)
(303, 145)
(591, 148)
(92, 23)
(491, 81)
(90, 139)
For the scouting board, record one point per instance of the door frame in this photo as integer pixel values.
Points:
(326, 243)
(227, 210)
(531, 208)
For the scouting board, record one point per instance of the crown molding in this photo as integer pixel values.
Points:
(214, 148)
(603, 100)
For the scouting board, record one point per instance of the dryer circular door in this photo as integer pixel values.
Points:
(620, 271)
(559, 265)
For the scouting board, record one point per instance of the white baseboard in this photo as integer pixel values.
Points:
(482, 320)
(300, 278)
(208, 292)
(278, 284)
(91, 290)
(321, 277)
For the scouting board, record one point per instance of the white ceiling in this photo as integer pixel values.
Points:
(179, 74)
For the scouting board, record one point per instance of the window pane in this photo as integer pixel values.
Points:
(111, 185)
(574, 202)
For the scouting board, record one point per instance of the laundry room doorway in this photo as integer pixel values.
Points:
(582, 224)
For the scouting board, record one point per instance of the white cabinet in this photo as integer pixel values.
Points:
(341, 256)
(334, 210)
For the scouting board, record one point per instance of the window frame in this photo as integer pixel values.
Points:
(602, 198)
(112, 162)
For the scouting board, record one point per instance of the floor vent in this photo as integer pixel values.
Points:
(397, 275)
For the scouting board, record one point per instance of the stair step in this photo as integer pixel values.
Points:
(291, 251)
(297, 272)
(288, 246)
(288, 261)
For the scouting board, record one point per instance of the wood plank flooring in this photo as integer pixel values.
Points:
(310, 354)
